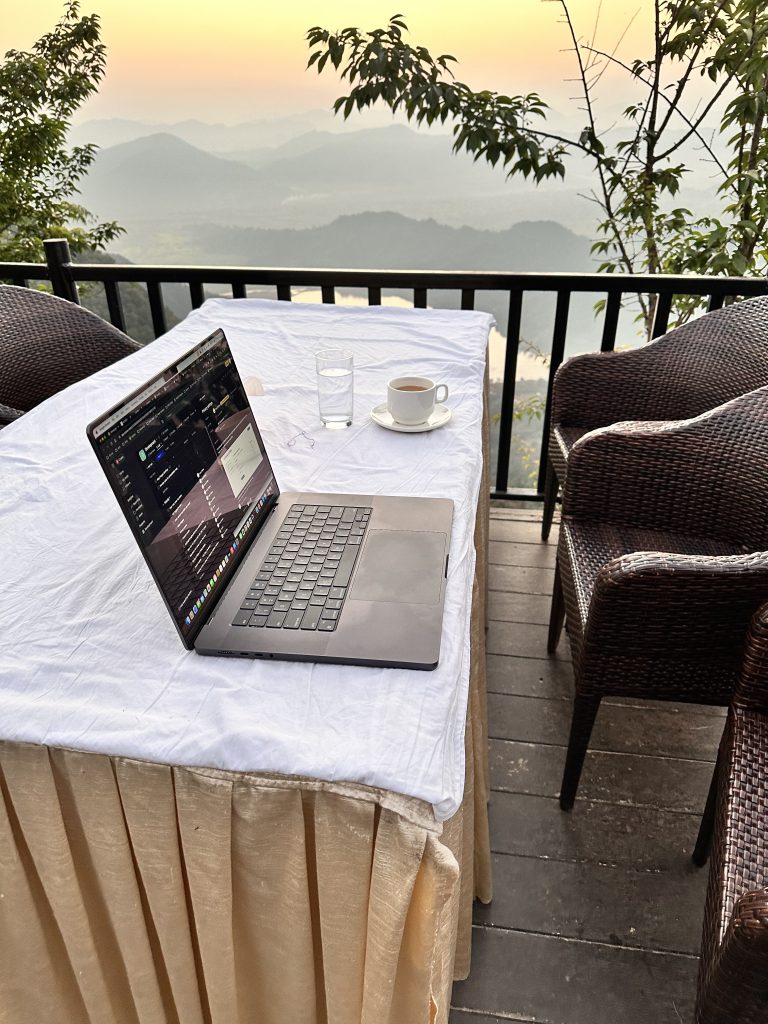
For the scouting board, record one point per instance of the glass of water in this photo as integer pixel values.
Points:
(334, 387)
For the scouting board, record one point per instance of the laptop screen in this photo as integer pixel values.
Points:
(185, 458)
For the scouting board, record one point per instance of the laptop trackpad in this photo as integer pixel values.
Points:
(401, 566)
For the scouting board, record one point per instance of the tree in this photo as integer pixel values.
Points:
(723, 43)
(39, 92)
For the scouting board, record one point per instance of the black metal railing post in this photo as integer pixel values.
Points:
(59, 260)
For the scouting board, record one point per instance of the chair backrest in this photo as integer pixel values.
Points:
(47, 343)
(718, 356)
(733, 972)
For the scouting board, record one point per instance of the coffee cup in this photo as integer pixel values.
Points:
(411, 400)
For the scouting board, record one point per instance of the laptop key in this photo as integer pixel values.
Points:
(333, 603)
(317, 602)
(311, 618)
(258, 620)
(348, 515)
(338, 593)
(327, 625)
(281, 606)
(293, 618)
(242, 618)
(346, 565)
(276, 619)
(249, 602)
(329, 613)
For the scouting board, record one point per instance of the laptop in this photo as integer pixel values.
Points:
(246, 570)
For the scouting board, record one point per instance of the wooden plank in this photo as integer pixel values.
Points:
(523, 640)
(562, 981)
(520, 579)
(513, 531)
(502, 553)
(640, 838)
(504, 510)
(471, 1017)
(633, 779)
(530, 677)
(657, 731)
(616, 906)
(505, 607)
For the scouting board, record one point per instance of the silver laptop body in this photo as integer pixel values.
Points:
(248, 571)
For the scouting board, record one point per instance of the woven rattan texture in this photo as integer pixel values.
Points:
(733, 972)
(695, 367)
(691, 369)
(706, 476)
(561, 440)
(47, 344)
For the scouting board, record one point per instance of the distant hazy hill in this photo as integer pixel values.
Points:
(161, 181)
(219, 138)
(160, 175)
(392, 240)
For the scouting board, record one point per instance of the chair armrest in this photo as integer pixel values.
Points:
(8, 414)
(706, 476)
(737, 983)
(697, 606)
(752, 685)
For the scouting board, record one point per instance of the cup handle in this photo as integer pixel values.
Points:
(438, 398)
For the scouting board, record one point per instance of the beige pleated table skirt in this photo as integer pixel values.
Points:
(141, 893)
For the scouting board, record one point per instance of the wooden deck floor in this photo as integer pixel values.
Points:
(596, 916)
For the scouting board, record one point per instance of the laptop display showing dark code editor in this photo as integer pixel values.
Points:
(189, 466)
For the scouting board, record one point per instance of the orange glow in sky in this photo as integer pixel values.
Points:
(237, 60)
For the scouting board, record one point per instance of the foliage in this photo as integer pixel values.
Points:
(39, 92)
(721, 45)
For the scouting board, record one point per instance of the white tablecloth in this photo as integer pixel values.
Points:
(89, 657)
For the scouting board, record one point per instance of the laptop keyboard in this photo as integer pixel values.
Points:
(303, 581)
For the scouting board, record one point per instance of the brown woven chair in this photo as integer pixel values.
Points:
(733, 970)
(46, 344)
(663, 558)
(693, 368)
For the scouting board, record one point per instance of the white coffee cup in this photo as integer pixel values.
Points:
(411, 400)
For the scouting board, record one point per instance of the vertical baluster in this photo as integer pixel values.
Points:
(196, 294)
(238, 290)
(556, 358)
(715, 302)
(115, 304)
(328, 293)
(420, 298)
(284, 293)
(468, 298)
(508, 388)
(156, 308)
(661, 317)
(611, 321)
(374, 295)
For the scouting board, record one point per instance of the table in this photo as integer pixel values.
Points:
(191, 840)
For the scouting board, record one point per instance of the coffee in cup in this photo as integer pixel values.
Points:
(411, 400)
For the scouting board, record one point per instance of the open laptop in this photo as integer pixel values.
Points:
(247, 571)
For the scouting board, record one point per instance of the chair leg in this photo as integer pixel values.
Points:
(704, 839)
(584, 713)
(551, 488)
(557, 613)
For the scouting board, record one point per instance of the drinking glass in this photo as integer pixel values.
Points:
(334, 387)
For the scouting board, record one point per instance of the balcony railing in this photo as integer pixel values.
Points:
(615, 289)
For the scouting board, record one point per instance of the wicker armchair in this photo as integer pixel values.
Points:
(693, 368)
(662, 560)
(733, 970)
(46, 344)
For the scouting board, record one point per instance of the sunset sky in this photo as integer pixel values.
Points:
(237, 60)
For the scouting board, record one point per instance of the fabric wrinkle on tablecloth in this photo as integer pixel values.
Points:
(89, 658)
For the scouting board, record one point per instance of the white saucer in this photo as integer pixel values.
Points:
(381, 415)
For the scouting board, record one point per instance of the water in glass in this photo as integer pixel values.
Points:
(334, 388)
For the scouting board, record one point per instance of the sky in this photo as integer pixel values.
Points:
(239, 60)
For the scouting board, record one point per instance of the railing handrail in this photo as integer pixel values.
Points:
(64, 276)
